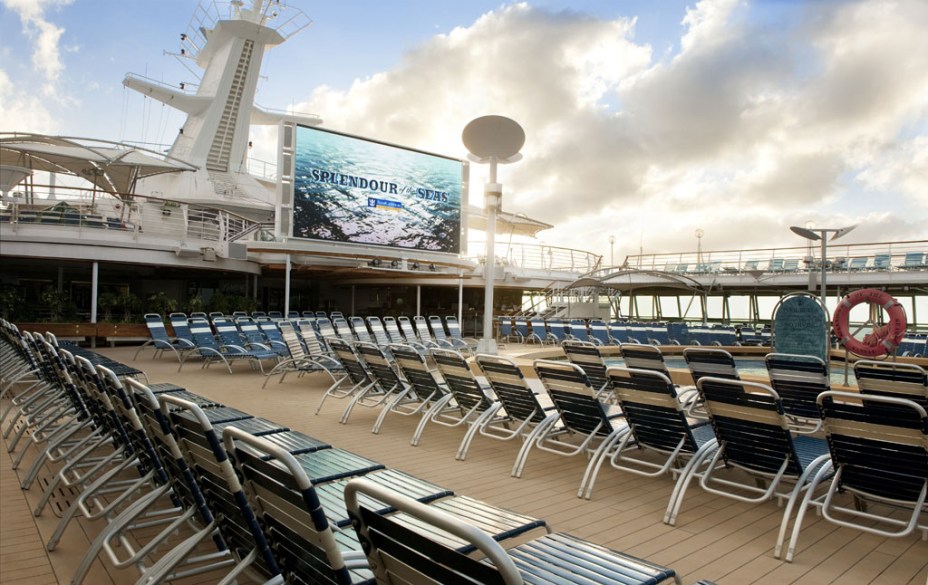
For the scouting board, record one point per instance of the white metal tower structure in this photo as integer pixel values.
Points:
(228, 41)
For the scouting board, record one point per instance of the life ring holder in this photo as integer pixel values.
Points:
(884, 340)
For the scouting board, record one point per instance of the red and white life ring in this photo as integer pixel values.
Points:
(882, 340)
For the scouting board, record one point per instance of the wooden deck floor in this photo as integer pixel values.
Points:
(715, 538)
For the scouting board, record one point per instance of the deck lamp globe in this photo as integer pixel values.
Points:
(492, 140)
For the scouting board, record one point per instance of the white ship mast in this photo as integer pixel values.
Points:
(228, 41)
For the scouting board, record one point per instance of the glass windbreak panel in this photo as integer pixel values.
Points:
(670, 309)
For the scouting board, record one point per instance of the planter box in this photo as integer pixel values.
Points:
(91, 332)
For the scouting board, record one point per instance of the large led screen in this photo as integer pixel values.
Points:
(347, 189)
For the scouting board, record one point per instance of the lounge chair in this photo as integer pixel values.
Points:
(658, 424)
(710, 362)
(521, 329)
(598, 333)
(798, 380)
(879, 457)
(472, 402)
(914, 261)
(587, 356)
(359, 330)
(858, 264)
(901, 380)
(431, 336)
(394, 550)
(300, 361)
(273, 338)
(753, 437)
(138, 535)
(585, 426)
(422, 391)
(160, 340)
(379, 368)
(506, 329)
(378, 331)
(357, 375)
(558, 331)
(456, 337)
(882, 262)
(540, 333)
(233, 346)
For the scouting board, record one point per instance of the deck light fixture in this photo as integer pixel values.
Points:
(492, 140)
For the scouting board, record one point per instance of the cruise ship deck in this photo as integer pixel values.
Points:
(715, 538)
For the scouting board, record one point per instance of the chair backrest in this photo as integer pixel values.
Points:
(343, 329)
(748, 419)
(406, 326)
(574, 397)
(858, 263)
(558, 330)
(289, 336)
(248, 329)
(882, 261)
(539, 328)
(159, 431)
(437, 327)
(180, 326)
(510, 386)
(454, 328)
(618, 330)
(346, 356)
(505, 326)
(460, 380)
(202, 333)
(710, 362)
(379, 366)
(324, 327)
(643, 357)
(394, 550)
(203, 450)
(599, 332)
(893, 379)
(879, 444)
(379, 332)
(914, 260)
(587, 355)
(272, 329)
(156, 328)
(652, 409)
(393, 330)
(414, 368)
(421, 327)
(798, 380)
(228, 332)
(359, 328)
(521, 327)
(289, 508)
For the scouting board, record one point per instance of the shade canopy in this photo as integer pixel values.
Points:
(516, 223)
(112, 166)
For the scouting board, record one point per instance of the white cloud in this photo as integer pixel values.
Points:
(45, 37)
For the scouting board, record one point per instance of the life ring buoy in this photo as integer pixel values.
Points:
(882, 340)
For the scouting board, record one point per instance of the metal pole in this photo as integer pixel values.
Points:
(94, 284)
(492, 194)
(287, 287)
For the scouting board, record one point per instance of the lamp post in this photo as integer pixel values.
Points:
(611, 251)
(814, 234)
(492, 140)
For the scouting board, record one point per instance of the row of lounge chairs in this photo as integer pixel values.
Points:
(555, 331)
(909, 261)
(291, 345)
(255, 500)
(638, 420)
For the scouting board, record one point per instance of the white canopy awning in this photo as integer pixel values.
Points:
(113, 167)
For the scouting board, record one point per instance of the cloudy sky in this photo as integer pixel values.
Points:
(644, 120)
